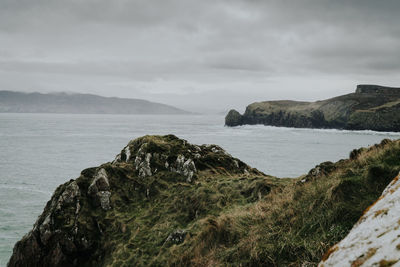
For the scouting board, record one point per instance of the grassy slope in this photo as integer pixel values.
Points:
(298, 223)
(232, 220)
(231, 217)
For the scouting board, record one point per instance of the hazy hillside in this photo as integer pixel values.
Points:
(79, 103)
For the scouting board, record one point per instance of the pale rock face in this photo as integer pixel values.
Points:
(375, 239)
(45, 230)
(217, 149)
(183, 166)
(142, 162)
(180, 160)
(143, 165)
(189, 169)
(104, 198)
(186, 168)
(127, 153)
(214, 150)
(117, 159)
(99, 183)
(70, 194)
(100, 189)
(236, 163)
(138, 160)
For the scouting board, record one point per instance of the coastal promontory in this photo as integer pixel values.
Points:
(370, 107)
(165, 202)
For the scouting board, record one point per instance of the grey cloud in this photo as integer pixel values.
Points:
(206, 44)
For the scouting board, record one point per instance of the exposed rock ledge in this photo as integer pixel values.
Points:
(371, 107)
(375, 239)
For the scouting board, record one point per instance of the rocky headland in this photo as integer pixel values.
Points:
(165, 202)
(371, 107)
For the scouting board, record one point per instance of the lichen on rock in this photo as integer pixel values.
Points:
(375, 238)
(104, 199)
(142, 163)
(127, 153)
(99, 189)
(48, 244)
(185, 167)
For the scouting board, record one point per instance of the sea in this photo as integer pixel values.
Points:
(38, 152)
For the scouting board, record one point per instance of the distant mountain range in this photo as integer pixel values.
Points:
(18, 102)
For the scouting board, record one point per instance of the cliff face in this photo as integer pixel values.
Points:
(163, 201)
(371, 107)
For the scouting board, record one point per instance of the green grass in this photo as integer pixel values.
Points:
(296, 224)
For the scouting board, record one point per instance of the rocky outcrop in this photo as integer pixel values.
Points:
(87, 217)
(148, 161)
(99, 189)
(371, 107)
(233, 118)
(48, 244)
(375, 239)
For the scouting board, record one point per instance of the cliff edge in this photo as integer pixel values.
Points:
(165, 202)
(371, 107)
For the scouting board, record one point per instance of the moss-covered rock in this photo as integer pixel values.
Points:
(133, 208)
(233, 118)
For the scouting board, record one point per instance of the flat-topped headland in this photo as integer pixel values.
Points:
(370, 107)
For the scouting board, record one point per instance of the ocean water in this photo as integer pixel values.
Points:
(40, 151)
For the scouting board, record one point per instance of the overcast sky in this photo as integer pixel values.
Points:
(199, 55)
